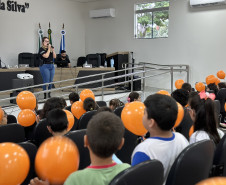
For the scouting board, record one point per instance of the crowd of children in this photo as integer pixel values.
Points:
(105, 131)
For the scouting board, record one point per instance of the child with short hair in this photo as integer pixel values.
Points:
(57, 122)
(104, 136)
(164, 145)
(73, 97)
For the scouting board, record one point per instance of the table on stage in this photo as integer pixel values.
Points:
(7, 75)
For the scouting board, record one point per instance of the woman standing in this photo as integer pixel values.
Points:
(47, 55)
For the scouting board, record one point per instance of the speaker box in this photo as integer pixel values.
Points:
(19, 83)
(136, 84)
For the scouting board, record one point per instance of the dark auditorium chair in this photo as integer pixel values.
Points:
(126, 151)
(26, 58)
(84, 119)
(219, 161)
(94, 59)
(101, 103)
(103, 57)
(118, 111)
(78, 137)
(81, 61)
(148, 173)
(11, 119)
(31, 150)
(193, 164)
(217, 108)
(12, 133)
(41, 132)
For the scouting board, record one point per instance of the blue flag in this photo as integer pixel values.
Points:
(62, 42)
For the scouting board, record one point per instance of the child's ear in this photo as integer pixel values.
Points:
(50, 130)
(86, 143)
(121, 144)
(151, 123)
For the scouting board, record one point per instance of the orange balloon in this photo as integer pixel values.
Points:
(26, 117)
(71, 119)
(200, 87)
(1, 114)
(132, 118)
(77, 109)
(163, 92)
(217, 81)
(26, 100)
(180, 115)
(191, 131)
(221, 74)
(14, 164)
(213, 181)
(86, 93)
(179, 83)
(210, 79)
(225, 107)
(56, 159)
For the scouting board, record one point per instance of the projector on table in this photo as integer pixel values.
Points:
(24, 76)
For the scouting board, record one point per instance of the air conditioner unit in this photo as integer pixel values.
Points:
(200, 3)
(110, 12)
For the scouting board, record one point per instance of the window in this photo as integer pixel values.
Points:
(152, 20)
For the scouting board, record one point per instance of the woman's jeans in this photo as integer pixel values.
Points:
(47, 72)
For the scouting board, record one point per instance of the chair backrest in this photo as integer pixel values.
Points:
(81, 61)
(11, 119)
(26, 58)
(31, 150)
(126, 151)
(219, 161)
(93, 59)
(78, 137)
(118, 111)
(193, 164)
(84, 119)
(12, 133)
(101, 103)
(218, 109)
(148, 172)
(41, 132)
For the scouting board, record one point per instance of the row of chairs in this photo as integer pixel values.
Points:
(191, 166)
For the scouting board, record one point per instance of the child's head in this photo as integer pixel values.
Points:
(57, 122)
(181, 96)
(206, 119)
(212, 87)
(134, 96)
(222, 85)
(89, 104)
(187, 87)
(162, 109)
(63, 102)
(105, 133)
(51, 103)
(4, 119)
(73, 97)
(103, 109)
(114, 103)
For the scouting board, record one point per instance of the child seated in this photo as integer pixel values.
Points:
(205, 120)
(134, 96)
(164, 145)
(57, 122)
(103, 138)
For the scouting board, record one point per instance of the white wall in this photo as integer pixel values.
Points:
(19, 31)
(197, 37)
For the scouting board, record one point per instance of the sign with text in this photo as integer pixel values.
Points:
(13, 6)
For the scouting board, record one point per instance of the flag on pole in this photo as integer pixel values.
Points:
(40, 35)
(49, 35)
(62, 42)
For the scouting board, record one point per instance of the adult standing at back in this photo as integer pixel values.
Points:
(47, 55)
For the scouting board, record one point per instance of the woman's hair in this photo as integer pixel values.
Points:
(133, 96)
(206, 119)
(89, 104)
(115, 103)
(213, 87)
(51, 103)
(43, 39)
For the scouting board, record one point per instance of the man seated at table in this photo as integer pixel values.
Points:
(63, 60)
